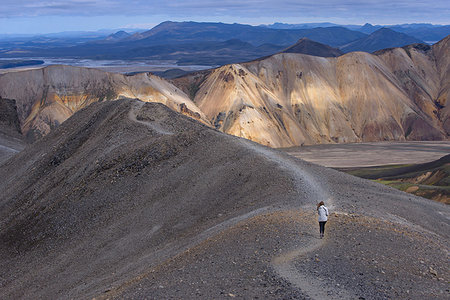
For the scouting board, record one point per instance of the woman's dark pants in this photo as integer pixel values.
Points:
(322, 227)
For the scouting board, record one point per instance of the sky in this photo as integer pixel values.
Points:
(46, 16)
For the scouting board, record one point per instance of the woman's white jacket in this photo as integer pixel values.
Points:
(323, 213)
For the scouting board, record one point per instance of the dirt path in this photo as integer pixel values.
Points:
(9, 146)
(284, 264)
(314, 287)
(316, 190)
(132, 115)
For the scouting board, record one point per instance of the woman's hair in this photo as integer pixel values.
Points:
(320, 204)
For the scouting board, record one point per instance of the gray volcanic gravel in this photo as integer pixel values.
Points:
(350, 258)
(132, 200)
(11, 139)
(234, 263)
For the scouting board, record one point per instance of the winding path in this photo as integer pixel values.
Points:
(132, 115)
(316, 190)
(284, 264)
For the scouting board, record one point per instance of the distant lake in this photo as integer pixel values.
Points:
(118, 66)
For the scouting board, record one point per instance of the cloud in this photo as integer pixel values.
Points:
(383, 10)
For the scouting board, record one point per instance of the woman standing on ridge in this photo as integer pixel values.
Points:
(322, 210)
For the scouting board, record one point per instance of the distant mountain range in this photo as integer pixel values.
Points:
(184, 42)
(421, 31)
(307, 46)
(203, 53)
(425, 32)
(380, 39)
(217, 43)
(183, 32)
(118, 36)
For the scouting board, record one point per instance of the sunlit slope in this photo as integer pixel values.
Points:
(47, 97)
(292, 99)
(284, 100)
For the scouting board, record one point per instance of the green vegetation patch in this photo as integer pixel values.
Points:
(437, 193)
(402, 186)
(429, 180)
(373, 172)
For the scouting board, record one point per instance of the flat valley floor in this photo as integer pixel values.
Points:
(371, 154)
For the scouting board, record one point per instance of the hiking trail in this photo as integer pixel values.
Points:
(132, 115)
(284, 264)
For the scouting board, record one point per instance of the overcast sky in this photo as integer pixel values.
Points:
(36, 16)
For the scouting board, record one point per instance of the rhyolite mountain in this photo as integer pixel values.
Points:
(47, 97)
(284, 100)
(293, 99)
(132, 200)
(380, 39)
(310, 47)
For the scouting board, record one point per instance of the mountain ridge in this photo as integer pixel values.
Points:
(211, 31)
(310, 47)
(380, 39)
(149, 44)
(423, 31)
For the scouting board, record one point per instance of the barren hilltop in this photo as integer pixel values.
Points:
(131, 200)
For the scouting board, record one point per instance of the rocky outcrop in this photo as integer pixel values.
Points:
(47, 97)
(293, 99)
